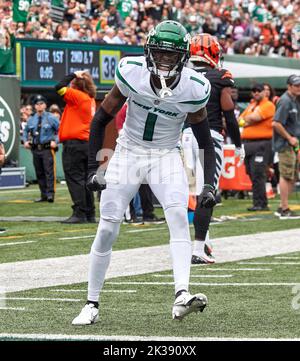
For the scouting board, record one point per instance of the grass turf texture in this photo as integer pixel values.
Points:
(46, 236)
(246, 311)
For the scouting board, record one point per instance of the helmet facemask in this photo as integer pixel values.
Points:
(166, 63)
(167, 51)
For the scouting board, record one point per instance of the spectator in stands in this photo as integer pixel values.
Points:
(114, 19)
(99, 38)
(40, 136)
(241, 22)
(73, 31)
(286, 142)
(74, 133)
(257, 133)
(154, 9)
(71, 10)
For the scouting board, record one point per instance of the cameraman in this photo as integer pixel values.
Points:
(40, 136)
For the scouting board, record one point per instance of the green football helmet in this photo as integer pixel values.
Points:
(167, 49)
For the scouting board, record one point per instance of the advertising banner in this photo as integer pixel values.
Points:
(233, 177)
(10, 117)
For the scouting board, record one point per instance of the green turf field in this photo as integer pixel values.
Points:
(245, 300)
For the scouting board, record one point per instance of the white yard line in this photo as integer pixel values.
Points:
(197, 276)
(13, 308)
(40, 299)
(15, 243)
(271, 263)
(103, 291)
(17, 276)
(248, 284)
(37, 337)
(146, 230)
(287, 257)
(77, 237)
(212, 268)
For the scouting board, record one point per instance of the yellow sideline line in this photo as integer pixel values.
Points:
(46, 233)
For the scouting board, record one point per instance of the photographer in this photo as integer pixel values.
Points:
(40, 136)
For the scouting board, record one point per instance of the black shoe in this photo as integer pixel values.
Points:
(278, 212)
(258, 208)
(42, 199)
(50, 199)
(74, 220)
(2, 230)
(154, 219)
(288, 214)
(205, 259)
(91, 219)
(138, 220)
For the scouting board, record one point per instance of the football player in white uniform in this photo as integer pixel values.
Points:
(161, 94)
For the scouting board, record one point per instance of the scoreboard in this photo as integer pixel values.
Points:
(44, 63)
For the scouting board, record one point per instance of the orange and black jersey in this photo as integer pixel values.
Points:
(219, 79)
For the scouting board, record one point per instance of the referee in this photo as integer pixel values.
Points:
(40, 136)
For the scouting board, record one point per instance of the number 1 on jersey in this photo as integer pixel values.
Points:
(149, 126)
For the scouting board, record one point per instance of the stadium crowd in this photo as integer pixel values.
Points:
(253, 27)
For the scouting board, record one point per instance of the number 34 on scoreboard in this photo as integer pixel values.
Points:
(109, 60)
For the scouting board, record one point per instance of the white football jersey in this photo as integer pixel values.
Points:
(151, 121)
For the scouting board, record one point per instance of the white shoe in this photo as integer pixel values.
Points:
(87, 316)
(187, 303)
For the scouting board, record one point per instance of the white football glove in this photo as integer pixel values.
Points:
(240, 152)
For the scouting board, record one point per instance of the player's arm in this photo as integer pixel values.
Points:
(253, 117)
(227, 107)
(110, 106)
(61, 87)
(199, 125)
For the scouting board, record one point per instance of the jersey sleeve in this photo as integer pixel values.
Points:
(222, 78)
(199, 93)
(126, 75)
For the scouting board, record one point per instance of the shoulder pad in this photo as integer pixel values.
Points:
(126, 74)
(220, 77)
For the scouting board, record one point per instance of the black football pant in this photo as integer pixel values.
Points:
(258, 157)
(202, 215)
(75, 165)
(45, 169)
(146, 200)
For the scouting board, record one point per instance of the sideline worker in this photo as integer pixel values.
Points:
(40, 135)
(286, 142)
(257, 138)
(74, 132)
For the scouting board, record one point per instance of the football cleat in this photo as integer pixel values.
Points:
(208, 248)
(187, 303)
(203, 259)
(88, 315)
